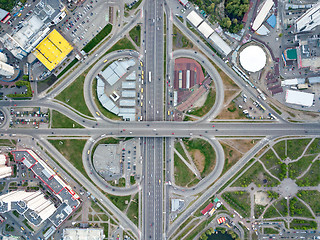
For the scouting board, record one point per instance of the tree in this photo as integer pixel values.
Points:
(225, 22)
(25, 77)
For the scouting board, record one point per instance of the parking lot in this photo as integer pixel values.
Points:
(85, 22)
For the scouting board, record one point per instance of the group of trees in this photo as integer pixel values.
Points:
(234, 11)
(204, 235)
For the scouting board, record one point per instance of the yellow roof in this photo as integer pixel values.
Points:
(52, 50)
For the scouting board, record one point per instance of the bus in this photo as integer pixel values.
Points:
(141, 90)
(105, 61)
(149, 76)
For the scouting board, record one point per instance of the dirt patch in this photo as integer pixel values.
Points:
(231, 112)
(261, 151)
(229, 95)
(232, 155)
(242, 145)
(200, 102)
(261, 198)
(198, 159)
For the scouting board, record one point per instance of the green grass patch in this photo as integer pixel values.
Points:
(281, 206)
(59, 120)
(295, 169)
(258, 210)
(298, 209)
(270, 231)
(25, 221)
(179, 148)
(274, 165)
(98, 38)
(14, 212)
(303, 224)
(102, 109)
(105, 227)
(314, 147)
(206, 149)
(133, 209)
(73, 96)
(179, 39)
(134, 6)
(7, 142)
(257, 175)
(239, 201)
(119, 201)
(135, 34)
(280, 148)
(71, 149)
(275, 109)
(203, 110)
(312, 177)
(182, 174)
(123, 43)
(120, 183)
(70, 65)
(271, 212)
(296, 147)
(9, 228)
(132, 180)
(310, 197)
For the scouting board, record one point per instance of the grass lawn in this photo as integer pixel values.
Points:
(312, 177)
(201, 111)
(271, 212)
(309, 197)
(179, 148)
(180, 40)
(273, 164)
(303, 224)
(102, 109)
(71, 149)
(123, 43)
(7, 4)
(7, 142)
(240, 201)
(105, 227)
(120, 183)
(134, 6)
(61, 121)
(258, 210)
(296, 147)
(70, 65)
(182, 174)
(297, 168)
(280, 148)
(98, 38)
(206, 149)
(232, 156)
(257, 175)
(281, 206)
(314, 147)
(73, 95)
(135, 34)
(119, 201)
(132, 212)
(298, 209)
(270, 231)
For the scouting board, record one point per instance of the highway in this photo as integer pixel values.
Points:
(152, 110)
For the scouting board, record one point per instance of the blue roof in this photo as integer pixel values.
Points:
(272, 20)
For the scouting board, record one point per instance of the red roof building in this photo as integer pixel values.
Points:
(207, 208)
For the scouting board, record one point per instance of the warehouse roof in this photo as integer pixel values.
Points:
(309, 20)
(299, 98)
(220, 44)
(262, 14)
(205, 29)
(194, 18)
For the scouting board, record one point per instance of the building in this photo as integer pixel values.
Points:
(52, 50)
(4, 170)
(261, 16)
(3, 15)
(205, 29)
(27, 36)
(83, 233)
(6, 69)
(194, 18)
(309, 20)
(69, 200)
(253, 58)
(176, 204)
(308, 52)
(299, 98)
(219, 44)
(207, 209)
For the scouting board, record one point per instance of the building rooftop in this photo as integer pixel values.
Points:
(83, 233)
(261, 16)
(309, 20)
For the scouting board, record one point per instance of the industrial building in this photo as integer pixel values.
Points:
(176, 204)
(6, 69)
(69, 200)
(194, 18)
(52, 50)
(309, 20)
(34, 28)
(209, 33)
(83, 233)
(115, 71)
(261, 16)
(4, 15)
(299, 98)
